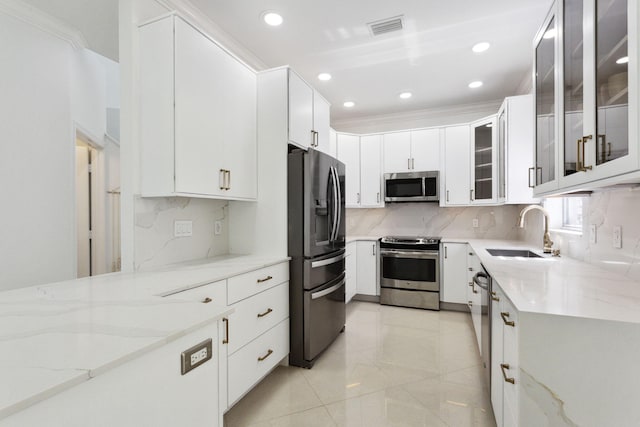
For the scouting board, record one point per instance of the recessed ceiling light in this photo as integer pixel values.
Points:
(324, 76)
(476, 84)
(623, 60)
(272, 18)
(480, 47)
(406, 95)
(349, 104)
(549, 34)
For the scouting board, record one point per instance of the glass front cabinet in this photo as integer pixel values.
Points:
(586, 93)
(484, 161)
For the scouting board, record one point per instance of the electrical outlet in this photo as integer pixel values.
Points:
(217, 228)
(198, 356)
(593, 230)
(617, 237)
(475, 223)
(182, 228)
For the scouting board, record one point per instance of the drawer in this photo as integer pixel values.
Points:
(245, 285)
(252, 362)
(216, 292)
(255, 315)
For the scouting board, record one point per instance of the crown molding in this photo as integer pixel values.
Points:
(384, 120)
(197, 17)
(44, 22)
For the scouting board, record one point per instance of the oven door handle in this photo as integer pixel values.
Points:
(325, 292)
(409, 254)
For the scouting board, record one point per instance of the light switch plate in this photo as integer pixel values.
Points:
(617, 237)
(217, 228)
(475, 223)
(593, 230)
(182, 228)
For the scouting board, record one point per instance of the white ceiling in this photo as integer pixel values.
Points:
(431, 57)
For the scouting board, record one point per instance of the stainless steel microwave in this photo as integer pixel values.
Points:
(412, 187)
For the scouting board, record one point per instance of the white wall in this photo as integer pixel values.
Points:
(36, 157)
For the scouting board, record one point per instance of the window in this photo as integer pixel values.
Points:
(565, 213)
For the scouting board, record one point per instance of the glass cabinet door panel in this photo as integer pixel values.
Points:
(612, 82)
(573, 82)
(545, 105)
(502, 129)
(483, 156)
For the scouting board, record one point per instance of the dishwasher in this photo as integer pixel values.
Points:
(482, 280)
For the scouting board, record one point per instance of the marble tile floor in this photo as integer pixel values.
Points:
(391, 367)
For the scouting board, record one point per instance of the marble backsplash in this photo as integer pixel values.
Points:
(428, 219)
(155, 243)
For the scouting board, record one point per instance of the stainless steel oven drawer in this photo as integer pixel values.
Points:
(409, 284)
(407, 298)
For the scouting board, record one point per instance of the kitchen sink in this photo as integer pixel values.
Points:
(525, 253)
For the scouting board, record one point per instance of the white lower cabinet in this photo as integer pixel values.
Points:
(367, 268)
(454, 273)
(351, 272)
(504, 359)
(474, 296)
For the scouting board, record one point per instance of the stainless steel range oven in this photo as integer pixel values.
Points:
(410, 272)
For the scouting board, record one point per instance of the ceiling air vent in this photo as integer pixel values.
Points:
(385, 26)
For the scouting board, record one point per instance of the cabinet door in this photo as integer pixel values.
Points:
(300, 111)
(367, 283)
(497, 382)
(351, 271)
(349, 154)
(397, 152)
(454, 273)
(425, 150)
(321, 113)
(371, 171)
(519, 150)
(456, 168)
(201, 128)
(474, 295)
(483, 161)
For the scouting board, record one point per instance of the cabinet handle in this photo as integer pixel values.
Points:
(221, 178)
(504, 316)
(373, 248)
(378, 198)
(447, 195)
(580, 166)
(471, 284)
(529, 177)
(494, 296)
(207, 300)
(504, 367)
(317, 137)
(358, 195)
(413, 163)
(228, 180)
(265, 313)
(446, 255)
(260, 359)
(409, 164)
(226, 331)
(265, 279)
(470, 303)
(471, 195)
(470, 269)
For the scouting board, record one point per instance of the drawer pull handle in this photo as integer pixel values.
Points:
(207, 300)
(504, 316)
(494, 296)
(265, 279)
(226, 330)
(504, 367)
(265, 313)
(269, 353)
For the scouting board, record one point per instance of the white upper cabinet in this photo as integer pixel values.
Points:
(197, 115)
(362, 156)
(300, 111)
(457, 142)
(309, 116)
(371, 171)
(397, 152)
(349, 154)
(586, 95)
(425, 149)
(333, 143)
(484, 162)
(416, 150)
(515, 153)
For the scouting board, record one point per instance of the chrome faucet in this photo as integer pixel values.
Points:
(547, 242)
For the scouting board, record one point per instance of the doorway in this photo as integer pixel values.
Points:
(86, 157)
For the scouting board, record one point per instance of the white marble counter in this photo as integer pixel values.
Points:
(350, 239)
(559, 285)
(58, 335)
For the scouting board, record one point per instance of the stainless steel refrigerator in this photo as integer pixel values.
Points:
(316, 215)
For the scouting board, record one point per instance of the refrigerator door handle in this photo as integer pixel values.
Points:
(336, 204)
(339, 202)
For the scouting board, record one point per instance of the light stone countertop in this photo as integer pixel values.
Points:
(558, 285)
(55, 336)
